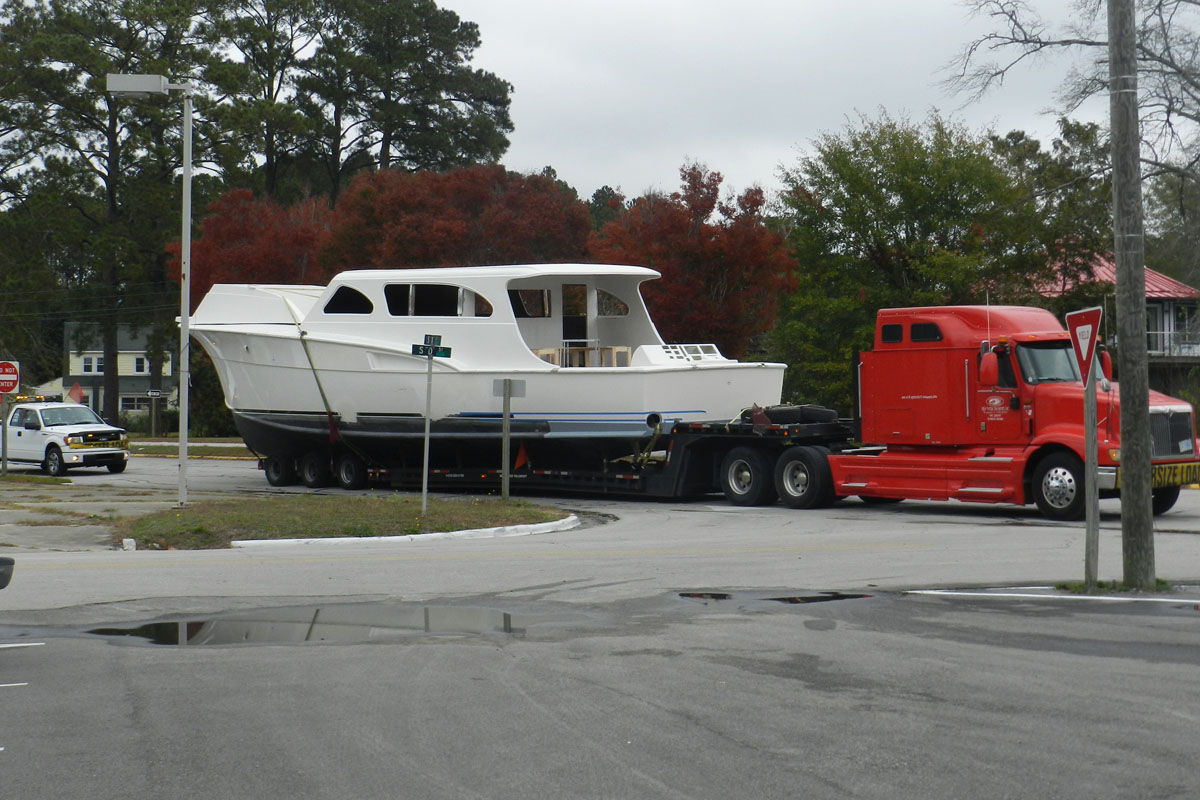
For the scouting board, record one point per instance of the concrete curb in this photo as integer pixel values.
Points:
(565, 524)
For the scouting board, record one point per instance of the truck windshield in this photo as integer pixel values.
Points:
(1047, 362)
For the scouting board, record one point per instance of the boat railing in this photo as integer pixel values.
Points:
(585, 353)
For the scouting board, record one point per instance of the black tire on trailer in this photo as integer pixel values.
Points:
(1163, 499)
(280, 469)
(803, 479)
(54, 466)
(746, 477)
(315, 471)
(350, 471)
(1058, 486)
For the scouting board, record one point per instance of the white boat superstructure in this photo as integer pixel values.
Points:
(576, 339)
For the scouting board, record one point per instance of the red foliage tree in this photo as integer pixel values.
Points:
(472, 216)
(249, 240)
(722, 268)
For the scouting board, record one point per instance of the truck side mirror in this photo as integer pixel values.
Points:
(989, 369)
(1106, 365)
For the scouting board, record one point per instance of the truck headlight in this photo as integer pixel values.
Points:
(1114, 454)
(74, 440)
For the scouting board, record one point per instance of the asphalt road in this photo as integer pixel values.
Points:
(676, 650)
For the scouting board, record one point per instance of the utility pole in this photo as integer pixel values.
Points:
(1137, 519)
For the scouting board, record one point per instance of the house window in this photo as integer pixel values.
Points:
(93, 364)
(141, 365)
(135, 403)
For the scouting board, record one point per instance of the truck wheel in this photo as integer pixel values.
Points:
(1058, 486)
(802, 478)
(350, 471)
(54, 465)
(314, 470)
(1163, 500)
(117, 467)
(281, 470)
(746, 477)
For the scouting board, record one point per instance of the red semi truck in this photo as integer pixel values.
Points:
(984, 404)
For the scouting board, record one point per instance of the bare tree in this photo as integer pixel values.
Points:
(1168, 67)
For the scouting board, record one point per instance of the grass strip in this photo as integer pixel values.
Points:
(214, 524)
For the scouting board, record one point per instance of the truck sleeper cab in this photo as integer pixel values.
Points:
(985, 405)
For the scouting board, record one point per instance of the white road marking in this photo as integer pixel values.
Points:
(21, 644)
(10, 685)
(1035, 596)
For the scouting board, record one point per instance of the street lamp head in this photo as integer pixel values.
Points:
(136, 85)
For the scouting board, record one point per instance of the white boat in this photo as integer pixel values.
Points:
(584, 357)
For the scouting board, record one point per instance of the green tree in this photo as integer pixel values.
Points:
(886, 213)
(109, 162)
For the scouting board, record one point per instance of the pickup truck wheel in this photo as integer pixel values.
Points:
(1163, 500)
(350, 471)
(116, 467)
(54, 465)
(746, 477)
(1058, 486)
(802, 477)
(314, 470)
(281, 470)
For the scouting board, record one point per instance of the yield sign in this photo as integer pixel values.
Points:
(1085, 330)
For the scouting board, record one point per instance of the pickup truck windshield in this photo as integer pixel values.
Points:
(79, 415)
(1047, 362)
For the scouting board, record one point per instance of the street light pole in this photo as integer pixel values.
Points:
(145, 86)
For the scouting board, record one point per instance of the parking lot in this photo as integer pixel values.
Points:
(664, 649)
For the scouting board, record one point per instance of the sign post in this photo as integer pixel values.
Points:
(508, 389)
(430, 349)
(10, 381)
(1084, 327)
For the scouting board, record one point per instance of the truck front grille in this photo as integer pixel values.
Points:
(1171, 434)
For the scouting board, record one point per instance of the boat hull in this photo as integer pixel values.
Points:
(279, 385)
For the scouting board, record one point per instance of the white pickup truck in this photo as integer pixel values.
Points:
(59, 436)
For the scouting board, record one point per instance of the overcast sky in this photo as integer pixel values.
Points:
(622, 92)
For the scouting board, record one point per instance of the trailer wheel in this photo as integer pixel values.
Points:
(1163, 500)
(1058, 486)
(314, 470)
(746, 477)
(350, 471)
(802, 477)
(281, 470)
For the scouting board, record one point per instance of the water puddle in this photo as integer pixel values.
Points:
(332, 624)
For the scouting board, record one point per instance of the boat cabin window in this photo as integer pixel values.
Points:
(348, 300)
(530, 303)
(433, 300)
(609, 305)
(397, 296)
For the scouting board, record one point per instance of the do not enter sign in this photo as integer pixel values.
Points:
(10, 376)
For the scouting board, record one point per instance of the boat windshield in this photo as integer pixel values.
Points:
(1047, 362)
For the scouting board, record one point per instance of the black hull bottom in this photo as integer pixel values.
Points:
(397, 442)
